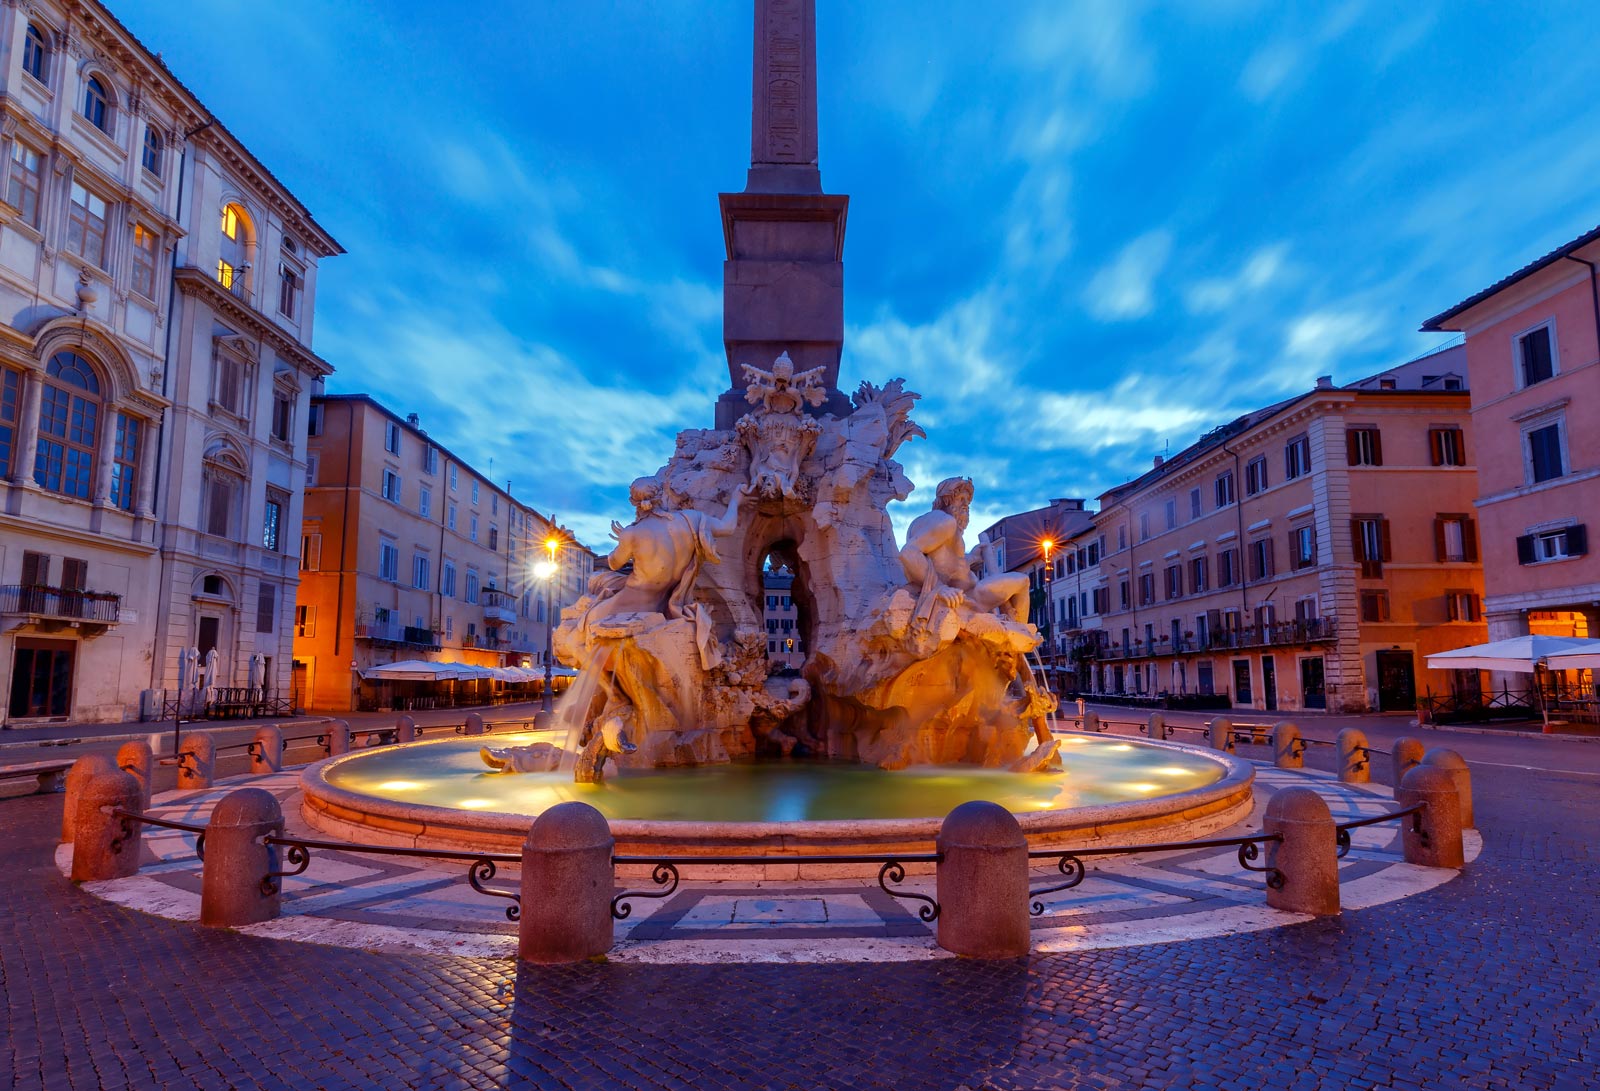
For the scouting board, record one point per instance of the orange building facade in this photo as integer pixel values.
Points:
(409, 553)
(1533, 353)
(1309, 555)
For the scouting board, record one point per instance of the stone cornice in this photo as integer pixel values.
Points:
(196, 283)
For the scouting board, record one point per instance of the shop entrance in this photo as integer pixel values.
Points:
(41, 679)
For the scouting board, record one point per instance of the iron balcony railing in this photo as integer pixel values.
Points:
(60, 602)
(392, 632)
(1313, 630)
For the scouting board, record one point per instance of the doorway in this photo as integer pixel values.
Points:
(1269, 682)
(41, 679)
(1313, 690)
(1242, 694)
(1397, 682)
(298, 676)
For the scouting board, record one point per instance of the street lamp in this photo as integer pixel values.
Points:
(1049, 652)
(546, 570)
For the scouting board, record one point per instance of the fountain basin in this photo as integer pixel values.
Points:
(436, 794)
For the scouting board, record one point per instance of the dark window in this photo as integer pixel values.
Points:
(1147, 589)
(1197, 575)
(1447, 446)
(1369, 540)
(1174, 581)
(1363, 447)
(1544, 452)
(10, 411)
(1261, 564)
(1538, 363)
(1296, 458)
(266, 608)
(1303, 546)
(152, 151)
(34, 53)
(288, 292)
(1122, 589)
(1224, 489)
(94, 103)
(125, 465)
(272, 525)
(1227, 567)
(1374, 606)
(1255, 476)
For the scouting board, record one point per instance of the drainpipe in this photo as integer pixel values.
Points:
(1238, 513)
(1594, 294)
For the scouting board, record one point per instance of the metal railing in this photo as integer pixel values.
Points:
(60, 602)
(1342, 830)
(482, 867)
(664, 873)
(392, 632)
(1313, 630)
(1070, 862)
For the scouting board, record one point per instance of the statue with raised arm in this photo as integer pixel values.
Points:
(937, 563)
(665, 549)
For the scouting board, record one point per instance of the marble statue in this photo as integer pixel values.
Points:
(777, 433)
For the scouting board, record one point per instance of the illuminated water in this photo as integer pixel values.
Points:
(1099, 770)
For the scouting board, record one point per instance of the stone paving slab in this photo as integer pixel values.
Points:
(405, 903)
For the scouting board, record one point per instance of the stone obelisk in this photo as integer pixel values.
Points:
(783, 280)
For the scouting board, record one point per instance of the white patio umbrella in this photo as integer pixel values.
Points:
(411, 670)
(1514, 655)
(1585, 657)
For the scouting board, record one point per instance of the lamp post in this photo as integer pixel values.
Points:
(1049, 630)
(546, 570)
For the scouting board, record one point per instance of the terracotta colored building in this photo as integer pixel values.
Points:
(1039, 542)
(406, 553)
(157, 284)
(1533, 353)
(1308, 555)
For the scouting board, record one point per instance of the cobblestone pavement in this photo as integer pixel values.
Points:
(1489, 981)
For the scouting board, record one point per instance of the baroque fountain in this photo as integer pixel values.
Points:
(916, 692)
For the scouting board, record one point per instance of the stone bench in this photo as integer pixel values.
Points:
(51, 774)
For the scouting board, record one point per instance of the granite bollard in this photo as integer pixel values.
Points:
(1454, 764)
(1355, 766)
(197, 761)
(105, 846)
(1438, 842)
(474, 724)
(337, 733)
(1288, 748)
(405, 729)
(1404, 756)
(982, 883)
(567, 886)
(1091, 722)
(1219, 730)
(266, 750)
(1156, 727)
(1308, 855)
(236, 861)
(85, 768)
(136, 759)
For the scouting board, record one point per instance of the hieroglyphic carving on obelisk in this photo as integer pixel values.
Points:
(784, 95)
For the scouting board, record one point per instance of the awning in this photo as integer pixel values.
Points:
(1584, 658)
(1517, 654)
(421, 670)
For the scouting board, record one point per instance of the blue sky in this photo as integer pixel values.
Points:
(1084, 232)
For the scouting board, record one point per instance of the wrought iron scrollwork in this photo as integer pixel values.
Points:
(1250, 851)
(479, 874)
(200, 845)
(894, 872)
(1342, 838)
(662, 874)
(1070, 866)
(299, 858)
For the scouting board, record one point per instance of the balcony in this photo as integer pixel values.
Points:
(59, 607)
(394, 634)
(1317, 630)
(499, 606)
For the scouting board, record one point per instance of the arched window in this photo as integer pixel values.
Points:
(35, 55)
(69, 426)
(222, 492)
(233, 266)
(152, 150)
(96, 104)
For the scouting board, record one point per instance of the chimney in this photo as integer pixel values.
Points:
(1324, 382)
(1159, 461)
(412, 419)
